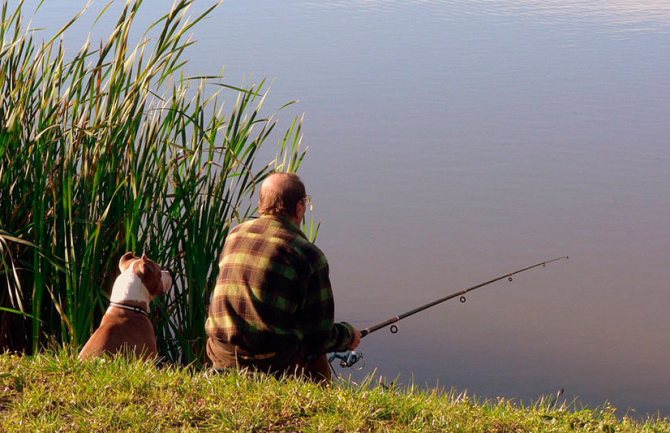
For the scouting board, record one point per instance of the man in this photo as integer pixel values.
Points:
(272, 308)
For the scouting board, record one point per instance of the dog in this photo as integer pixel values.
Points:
(126, 326)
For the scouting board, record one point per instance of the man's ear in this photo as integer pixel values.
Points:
(300, 209)
(126, 260)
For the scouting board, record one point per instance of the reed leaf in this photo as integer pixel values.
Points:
(115, 149)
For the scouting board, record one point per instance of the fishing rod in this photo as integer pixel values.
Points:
(350, 358)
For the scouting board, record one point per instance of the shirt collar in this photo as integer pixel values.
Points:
(286, 222)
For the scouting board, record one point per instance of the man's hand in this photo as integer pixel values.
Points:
(357, 339)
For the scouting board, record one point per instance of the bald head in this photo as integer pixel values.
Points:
(280, 194)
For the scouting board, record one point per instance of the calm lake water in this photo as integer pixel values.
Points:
(452, 141)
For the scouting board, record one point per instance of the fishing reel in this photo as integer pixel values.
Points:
(347, 359)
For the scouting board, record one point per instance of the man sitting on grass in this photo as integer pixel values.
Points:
(272, 308)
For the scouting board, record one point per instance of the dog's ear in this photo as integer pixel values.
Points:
(125, 261)
(166, 278)
(150, 273)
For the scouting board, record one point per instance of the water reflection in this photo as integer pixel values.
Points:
(620, 15)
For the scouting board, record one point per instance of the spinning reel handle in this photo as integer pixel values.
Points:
(347, 359)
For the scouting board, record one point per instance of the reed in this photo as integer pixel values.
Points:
(114, 149)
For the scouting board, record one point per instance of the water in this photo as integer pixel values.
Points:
(454, 141)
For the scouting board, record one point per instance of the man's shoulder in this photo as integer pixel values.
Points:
(311, 252)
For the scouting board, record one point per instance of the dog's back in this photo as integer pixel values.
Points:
(125, 327)
(122, 331)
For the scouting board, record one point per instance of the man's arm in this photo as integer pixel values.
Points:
(321, 333)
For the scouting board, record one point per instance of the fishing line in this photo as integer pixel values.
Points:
(348, 359)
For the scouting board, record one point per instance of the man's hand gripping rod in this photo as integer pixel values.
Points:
(348, 359)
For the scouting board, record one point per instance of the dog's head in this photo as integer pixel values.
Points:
(156, 280)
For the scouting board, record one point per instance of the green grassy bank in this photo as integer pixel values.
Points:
(58, 393)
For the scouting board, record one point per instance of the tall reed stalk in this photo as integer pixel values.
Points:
(110, 150)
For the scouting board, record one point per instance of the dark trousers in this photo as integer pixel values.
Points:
(229, 357)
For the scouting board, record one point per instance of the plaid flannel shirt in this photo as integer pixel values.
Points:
(273, 292)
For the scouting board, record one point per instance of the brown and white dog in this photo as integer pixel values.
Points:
(126, 327)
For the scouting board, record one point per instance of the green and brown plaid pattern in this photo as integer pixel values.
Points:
(273, 292)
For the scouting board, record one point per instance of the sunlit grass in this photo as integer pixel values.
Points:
(56, 392)
(110, 149)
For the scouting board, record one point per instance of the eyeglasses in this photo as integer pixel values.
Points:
(308, 202)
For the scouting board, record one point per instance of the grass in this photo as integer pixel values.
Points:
(56, 392)
(111, 148)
